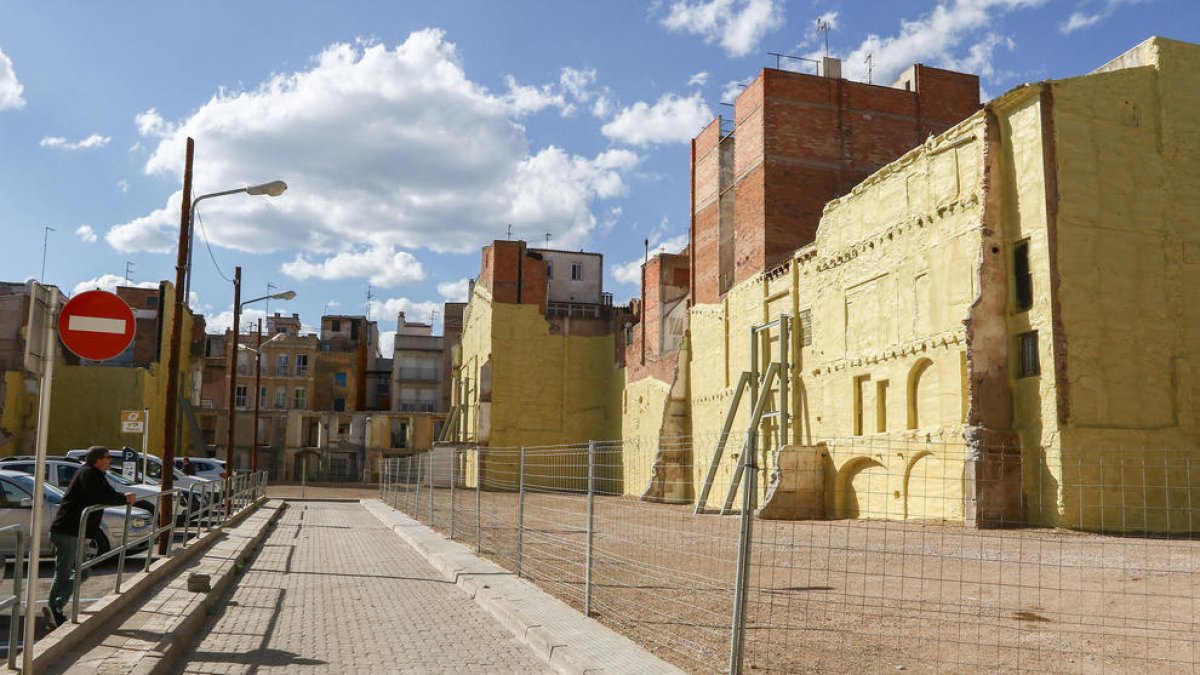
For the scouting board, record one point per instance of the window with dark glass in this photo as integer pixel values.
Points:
(1027, 353)
(1022, 279)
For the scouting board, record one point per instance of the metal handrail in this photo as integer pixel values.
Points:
(14, 600)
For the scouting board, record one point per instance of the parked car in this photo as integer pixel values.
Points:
(60, 472)
(154, 469)
(16, 508)
(206, 467)
(33, 458)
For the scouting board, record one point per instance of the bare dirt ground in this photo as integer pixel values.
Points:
(849, 595)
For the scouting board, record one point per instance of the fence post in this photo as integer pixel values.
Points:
(521, 511)
(408, 484)
(591, 515)
(429, 468)
(478, 490)
(737, 639)
(453, 473)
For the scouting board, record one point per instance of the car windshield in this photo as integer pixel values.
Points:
(26, 483)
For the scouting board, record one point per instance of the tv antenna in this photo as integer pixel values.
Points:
(128, 271)
(369, 298)
(823, 27)
(510, 232)
(870, 67)
(46, 230)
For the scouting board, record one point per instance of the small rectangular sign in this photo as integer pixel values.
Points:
(133, 421)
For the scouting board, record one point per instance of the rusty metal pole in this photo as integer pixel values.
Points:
(257, 399)
(171, 404)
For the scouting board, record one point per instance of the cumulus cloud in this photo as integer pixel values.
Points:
(455, 291)
(381, 147)
(86, 233)
(631, 272)
(672, 119)
(223, 321)
(414, 311)
(699, 79)
(936, 38)
(737, 25)
(382, 266)
(10, 87)
(732, 90)
(1080, 19)
(109, 282)
(93, 141)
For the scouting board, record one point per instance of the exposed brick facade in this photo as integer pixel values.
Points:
(799, 141)
(649, 349)
(513, 274)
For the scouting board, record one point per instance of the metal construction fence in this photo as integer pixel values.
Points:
(851, 555)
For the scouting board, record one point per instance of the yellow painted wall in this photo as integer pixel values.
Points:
(19, 414)
(547, 388)
(888, 283)
(1128, 164)
(86, 404)
(643, 404)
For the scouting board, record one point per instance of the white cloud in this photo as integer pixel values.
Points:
(631, 272)
(123, 185)
(934, 38)
(671, 119)
(455, 291)
(381, 147)
(699, 79)
(109, 282)
(829, 19)
(387, 310)
(93, 141)
(10, 87)
(1080, 20)
(387, 343)
(737, 25)
(223, 321)
(382, 266)
(732, 90)
(86, 233)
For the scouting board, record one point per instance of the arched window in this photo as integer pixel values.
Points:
(922, 395)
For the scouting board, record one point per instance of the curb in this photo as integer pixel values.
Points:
(50, 650)
(508, 598)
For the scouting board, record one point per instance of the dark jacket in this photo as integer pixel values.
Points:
(87, 488)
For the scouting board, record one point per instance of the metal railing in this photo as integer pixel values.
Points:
(207, 508)
(14, 600)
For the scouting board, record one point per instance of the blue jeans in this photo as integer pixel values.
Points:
(65, 548)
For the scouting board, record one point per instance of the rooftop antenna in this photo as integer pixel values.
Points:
(432, 317)
(369, 297)
(547, 240)
(270, 290)
(824, 27)
(870, 67)
(510, 232)
(128, 271)
(46, 230)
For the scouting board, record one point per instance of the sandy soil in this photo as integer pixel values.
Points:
(850, 595)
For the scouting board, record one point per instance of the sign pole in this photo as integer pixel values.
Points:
(145, 432)
(43, 434)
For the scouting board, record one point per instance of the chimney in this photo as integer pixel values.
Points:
(830, 67)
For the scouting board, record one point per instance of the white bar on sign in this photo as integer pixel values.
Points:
(96, 324)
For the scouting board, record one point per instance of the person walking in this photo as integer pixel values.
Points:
(89, 487)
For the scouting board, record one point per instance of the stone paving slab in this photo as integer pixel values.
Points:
(567, 640)
(144, 637)
(333, 591)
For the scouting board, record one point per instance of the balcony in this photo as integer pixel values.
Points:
(419, 374)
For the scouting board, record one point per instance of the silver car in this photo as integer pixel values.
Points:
(16, 508)
(59, 473)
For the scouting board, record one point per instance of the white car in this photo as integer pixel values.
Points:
(206, 467)
(16, 508)
(154, 469)
(59, 473)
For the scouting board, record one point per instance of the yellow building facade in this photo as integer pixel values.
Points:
(999, 327)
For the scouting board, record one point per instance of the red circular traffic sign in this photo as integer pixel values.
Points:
(96, 325)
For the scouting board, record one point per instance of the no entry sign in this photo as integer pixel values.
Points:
(96, 325)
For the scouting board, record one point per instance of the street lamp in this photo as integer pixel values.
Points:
(272, 189)
(233, 349)
(257, 349)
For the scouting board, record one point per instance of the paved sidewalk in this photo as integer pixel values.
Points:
(333, 591)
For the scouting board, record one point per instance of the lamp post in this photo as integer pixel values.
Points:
(233, 349)
(272, 189)
(257, 390)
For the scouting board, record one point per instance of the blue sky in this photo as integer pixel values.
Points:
(411, 134)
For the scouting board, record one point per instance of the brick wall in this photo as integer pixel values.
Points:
(801, 141)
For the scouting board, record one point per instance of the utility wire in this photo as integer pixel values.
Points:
(207, 245)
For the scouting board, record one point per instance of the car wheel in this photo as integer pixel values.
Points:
(95, 546)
